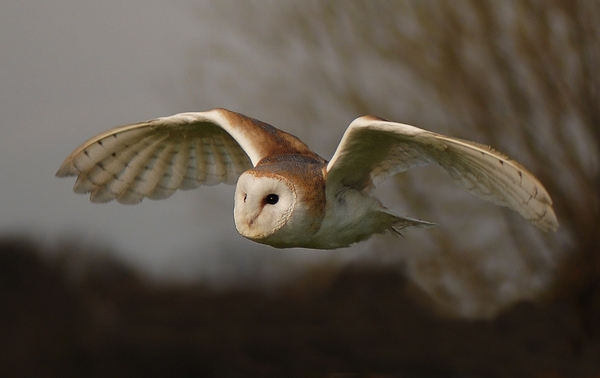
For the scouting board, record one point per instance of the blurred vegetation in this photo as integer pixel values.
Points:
(520, 75)
(69, 311)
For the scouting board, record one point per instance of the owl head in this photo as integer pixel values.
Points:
(275, 203)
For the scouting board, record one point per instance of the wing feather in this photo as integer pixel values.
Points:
(110, 168)
(124, 184)
(373, 149)
(155, 158)
(155, 169)
(218, 171)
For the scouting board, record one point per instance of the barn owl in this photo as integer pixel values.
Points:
(286, 195)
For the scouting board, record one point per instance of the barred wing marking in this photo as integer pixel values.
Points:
(155, 158)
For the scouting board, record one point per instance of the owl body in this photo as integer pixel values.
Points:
(351, 217)
(310, 216)
(286, 195)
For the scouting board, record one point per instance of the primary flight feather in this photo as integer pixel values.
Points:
(286, 195)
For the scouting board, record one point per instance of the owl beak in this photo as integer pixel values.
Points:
(251, 221)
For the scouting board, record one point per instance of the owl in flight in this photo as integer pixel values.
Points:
(286, 195)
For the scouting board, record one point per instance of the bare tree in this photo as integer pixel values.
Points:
(520, 75)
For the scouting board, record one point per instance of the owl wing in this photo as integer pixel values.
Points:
(373, 149)
(155, 158)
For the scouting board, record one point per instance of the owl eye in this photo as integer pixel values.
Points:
(272, 199)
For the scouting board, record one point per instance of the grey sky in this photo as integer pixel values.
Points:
(71, 69)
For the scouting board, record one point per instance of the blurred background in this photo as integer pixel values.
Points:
(169, 286)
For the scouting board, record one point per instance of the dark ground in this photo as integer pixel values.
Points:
(103, 320)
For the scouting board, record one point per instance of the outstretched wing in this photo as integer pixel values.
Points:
(155, 158)
(372, 149)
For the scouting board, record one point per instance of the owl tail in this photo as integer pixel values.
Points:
(400, 223)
